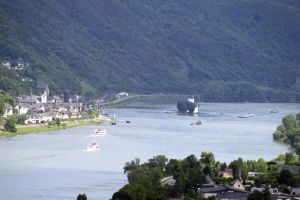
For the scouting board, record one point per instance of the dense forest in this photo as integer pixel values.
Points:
(221, 50)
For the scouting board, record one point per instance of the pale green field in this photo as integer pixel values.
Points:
(46, 128)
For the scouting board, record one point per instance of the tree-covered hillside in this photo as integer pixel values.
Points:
(222, 50)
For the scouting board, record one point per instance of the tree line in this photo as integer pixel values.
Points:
(289, 131)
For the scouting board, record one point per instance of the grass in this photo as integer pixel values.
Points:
(46, 128)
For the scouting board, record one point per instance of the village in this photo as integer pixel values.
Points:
(43, 108)
(254, 184)
(207, 179)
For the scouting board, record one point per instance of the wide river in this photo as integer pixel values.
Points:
(54, 165)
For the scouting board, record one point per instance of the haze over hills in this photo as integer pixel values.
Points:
(245, 50)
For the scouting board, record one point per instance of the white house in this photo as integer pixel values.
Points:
(20, 64)
(6, 64)
(46, 118)
(122, 94)
(21, 109)
(259, 189)
(8, 110)
(38, 118)
(254, 174)
(237, 185)
(60, 115)
(33, 119)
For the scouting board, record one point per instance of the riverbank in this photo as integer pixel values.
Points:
(37, 128)
(27, 129)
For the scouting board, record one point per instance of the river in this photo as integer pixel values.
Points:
(54, 165)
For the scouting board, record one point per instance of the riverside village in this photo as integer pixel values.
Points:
(51, 112)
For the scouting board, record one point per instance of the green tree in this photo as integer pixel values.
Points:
(298, 117)
(82, 197)
(208, 158)
(159, 161)
(289, 158)
(57, 121)
(239, 169)
(10, 125)
(289, 122)
(285, 177)
(256, 195)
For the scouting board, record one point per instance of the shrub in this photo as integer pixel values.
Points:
(10, 125)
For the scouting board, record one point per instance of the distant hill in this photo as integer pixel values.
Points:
(223, 50)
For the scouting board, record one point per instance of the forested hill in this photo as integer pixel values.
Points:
(223, 50)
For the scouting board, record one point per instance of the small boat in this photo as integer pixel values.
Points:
(99, 132)
(93, 147)
(247, 115)
(113, 120)
(274, 111)
(197, 123)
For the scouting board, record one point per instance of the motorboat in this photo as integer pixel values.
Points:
(93, 147)
(99, 132)
(274, 111)
(247, 115)
(197, 123)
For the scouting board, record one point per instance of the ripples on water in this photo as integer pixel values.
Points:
(53, 166)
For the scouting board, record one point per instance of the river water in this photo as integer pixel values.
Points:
(54, 165)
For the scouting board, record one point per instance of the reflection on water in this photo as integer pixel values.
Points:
(53, 166)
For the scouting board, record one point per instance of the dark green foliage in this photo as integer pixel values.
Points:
(10, 125)
(239, 168)
(256, 195)
(159, 161)
(289, 131)
(145, 180)
(5, 98)
(20, 119)
(290, 158)
(82, 197)
(267, 179)
(11, 81)
(222, 50)
(122, 194)
(286, 178)
(284, 189)
(260, 165)
(57, 121)
(131, 192)
(298, 117)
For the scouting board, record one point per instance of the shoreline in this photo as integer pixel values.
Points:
(40, 128)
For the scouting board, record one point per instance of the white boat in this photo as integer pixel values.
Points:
(247, 115)
(93, 147)
(99, 132)
(274, 111)
(196, 110)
